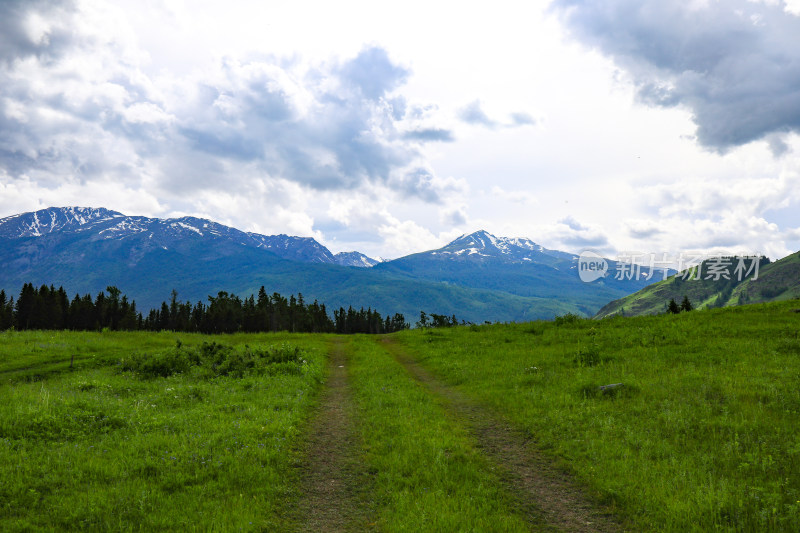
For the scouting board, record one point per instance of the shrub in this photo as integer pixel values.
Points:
(569, 318)
(212, 359)
(175, 361)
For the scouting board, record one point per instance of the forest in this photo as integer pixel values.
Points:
(49, 308)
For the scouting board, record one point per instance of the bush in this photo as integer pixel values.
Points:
(569, 318)
(175, 361)
(212, 359)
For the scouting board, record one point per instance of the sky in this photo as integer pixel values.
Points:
(394, 127)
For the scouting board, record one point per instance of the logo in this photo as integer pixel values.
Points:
(591, 266)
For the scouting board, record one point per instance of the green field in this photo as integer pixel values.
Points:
(451, 428)
(97, 447)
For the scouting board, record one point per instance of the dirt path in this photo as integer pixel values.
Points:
(544, 492)
(333, 498)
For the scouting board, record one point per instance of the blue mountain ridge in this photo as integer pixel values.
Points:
(478, 277)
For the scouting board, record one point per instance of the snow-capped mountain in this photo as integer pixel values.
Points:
(482, 244)
(167, 234)
(517, 266)
(354, 259)
(86, 250)
(478, 276)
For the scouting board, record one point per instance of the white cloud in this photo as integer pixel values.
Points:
(518, 196)
(341, 127)
(406, 237)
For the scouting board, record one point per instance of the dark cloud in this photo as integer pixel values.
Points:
(734, 64)
(18, 36)
(430, 134)
(418, 183)
(473, 113)
(777, 145)
(455, 217)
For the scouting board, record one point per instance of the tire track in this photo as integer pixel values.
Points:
(333, 479)
(545, 492)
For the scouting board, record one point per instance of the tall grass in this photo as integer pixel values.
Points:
(703, 434)
(113, 445)
(426, 472)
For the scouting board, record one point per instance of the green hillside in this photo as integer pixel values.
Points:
(775, 282)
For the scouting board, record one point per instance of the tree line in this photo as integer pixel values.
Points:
(49, 308)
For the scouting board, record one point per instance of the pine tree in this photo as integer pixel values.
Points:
(672, 307)
(26, 306)
(5, 315)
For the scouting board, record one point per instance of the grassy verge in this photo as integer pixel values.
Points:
(112, 445)
(703, 435)
(426, 472)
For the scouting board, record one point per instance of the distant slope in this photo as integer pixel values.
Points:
(515, 266)
(776, 281)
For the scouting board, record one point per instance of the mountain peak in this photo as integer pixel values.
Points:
(482, 245)
(355, 259)
(479, 239)
(483, 240)
(481, 233)
(51, 219)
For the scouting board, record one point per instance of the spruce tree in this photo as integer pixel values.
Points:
(672, 307)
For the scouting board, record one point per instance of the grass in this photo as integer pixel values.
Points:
(135, 431)
(426, 472)
(701, 436)
(99, 447)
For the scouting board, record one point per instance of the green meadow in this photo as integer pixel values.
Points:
(703, 434)
(163, 431)
(136, 436)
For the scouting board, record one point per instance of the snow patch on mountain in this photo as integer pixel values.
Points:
(355, 259)
(482, 244)
(51, 220)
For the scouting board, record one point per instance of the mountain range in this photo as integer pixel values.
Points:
(478, 277)
(108, 224)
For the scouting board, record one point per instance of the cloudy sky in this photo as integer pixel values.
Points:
(616, 125)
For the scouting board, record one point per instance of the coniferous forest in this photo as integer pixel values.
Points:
(49, 308)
